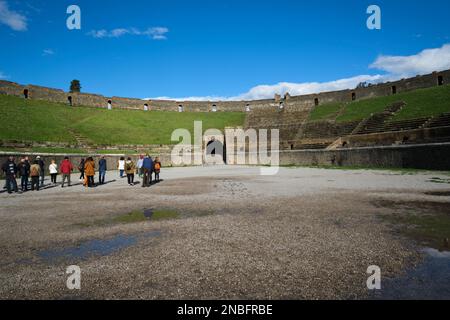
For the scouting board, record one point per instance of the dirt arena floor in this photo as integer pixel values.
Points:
(215, 232)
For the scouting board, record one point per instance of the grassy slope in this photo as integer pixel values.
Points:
(327, 111)
(46, 121)
(420, 103)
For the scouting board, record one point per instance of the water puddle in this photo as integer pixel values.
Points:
(92, 248)
(430, 280)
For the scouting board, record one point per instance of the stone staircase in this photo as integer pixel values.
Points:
(375, 123)
(82, 141)
(326, 129)
(403, 125)
(443, 120)
(312, 146)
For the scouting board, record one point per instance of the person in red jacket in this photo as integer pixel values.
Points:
(66, 169)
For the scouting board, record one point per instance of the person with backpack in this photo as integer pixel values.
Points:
(121, 166)
(53, 169)
(89, 171)
(42, 171)
(147, 166)
(24, 172)
(129, 169)
(102, 170)
(66, 170)
(157, 168)
(81, 169)
(10, 170)
(35, 173)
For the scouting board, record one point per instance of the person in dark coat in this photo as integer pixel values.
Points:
(81, 169)
(42, 172)
(102, 170)
(24, 172)
(10, 170)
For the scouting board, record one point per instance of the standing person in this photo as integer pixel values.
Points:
(35, 172)
(89, 171)
(130, 168)
(66, 170)
(157, 168)
(102, 170)
(10, 170)
(148, 167)
(81, 169)
(121, 166)
(24, 172)
(42, 172)
(53, 169)
(139, 165)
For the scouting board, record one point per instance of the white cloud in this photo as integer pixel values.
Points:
(426, 61)
(2, 75)
(396, 67)
(155, 33)
(98, 33)
(296, 89)
(48, 52)
(12, 19)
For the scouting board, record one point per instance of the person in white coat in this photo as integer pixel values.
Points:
(53, 169)
(121, 166)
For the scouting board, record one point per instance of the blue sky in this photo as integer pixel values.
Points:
(228, 49)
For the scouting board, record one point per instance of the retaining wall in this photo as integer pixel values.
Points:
(428, 156)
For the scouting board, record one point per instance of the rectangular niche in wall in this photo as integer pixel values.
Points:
(440, 80)
(394, 90)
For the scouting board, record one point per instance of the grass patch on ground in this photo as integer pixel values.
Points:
(327, 111)
(141, 216)
(164, 215)
(439, 180)
(138, 216)
(131, 217)
(428, 228)
(420, 103)
(34, 120)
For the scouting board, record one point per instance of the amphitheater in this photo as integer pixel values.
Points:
(390, 135)
(347, 196)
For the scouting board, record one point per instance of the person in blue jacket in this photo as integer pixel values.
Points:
(102, 170)
(147, 166)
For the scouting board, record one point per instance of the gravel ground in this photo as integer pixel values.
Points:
(301, 234)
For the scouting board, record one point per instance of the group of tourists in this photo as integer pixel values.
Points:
(35, 171)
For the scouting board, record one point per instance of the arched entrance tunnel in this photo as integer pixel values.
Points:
(216, 148)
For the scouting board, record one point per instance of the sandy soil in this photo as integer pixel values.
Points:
(301, 234)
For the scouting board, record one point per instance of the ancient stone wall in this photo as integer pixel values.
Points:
(290, 103)
(428, 157)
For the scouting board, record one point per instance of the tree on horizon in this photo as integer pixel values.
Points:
(75, 86)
